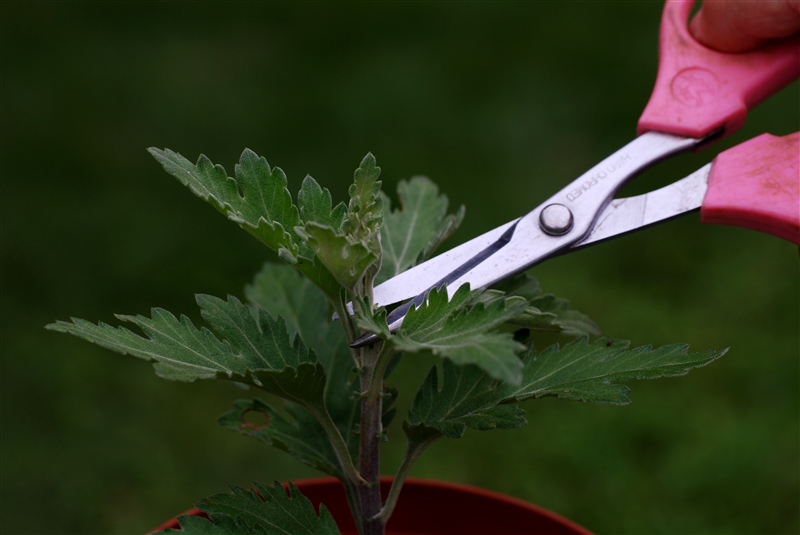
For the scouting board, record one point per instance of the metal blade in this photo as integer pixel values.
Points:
(585, 197)
(523, 243)
(626, 215)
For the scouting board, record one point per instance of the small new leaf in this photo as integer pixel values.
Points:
(365, 211)
(267, 509)
(465, 336)
(315, 205)
(416, 228)
(346, 258)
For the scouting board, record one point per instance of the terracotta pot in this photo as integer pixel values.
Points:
(428, 507)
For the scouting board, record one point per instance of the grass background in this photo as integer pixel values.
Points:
(499, 103)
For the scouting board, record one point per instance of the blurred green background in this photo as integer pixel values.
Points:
(499, 103)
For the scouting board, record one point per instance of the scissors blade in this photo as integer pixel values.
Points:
(523, 243)
(630, 214)
(585, 196)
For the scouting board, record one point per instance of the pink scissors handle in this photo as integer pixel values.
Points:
(756, 185)
(699, 90)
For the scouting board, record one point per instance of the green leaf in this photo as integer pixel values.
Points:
(591, 372)
(315, 205)
(465, 336)
(285, 293)
(469, 397)
(257, 348)
(370, 320)
(267, 509)
(346, 258)
(302, 437)
(365, 210)
(545, 312)
(588, 372)
(416, 228)
(264, 207)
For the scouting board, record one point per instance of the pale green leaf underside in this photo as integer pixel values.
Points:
(583, 371)
(264, 207)
(259, 201)
(465, 336)
(365, 210)
(346, 258)
(266, 509)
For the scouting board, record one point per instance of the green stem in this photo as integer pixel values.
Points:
(369, 447)
(338, 443)
(375, 388)
(413, 450)
(345, 318)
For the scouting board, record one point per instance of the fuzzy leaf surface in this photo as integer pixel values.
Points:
(267, 509)
(465, 335)
(316, 205)
(417, 227)
(264, 208)
(347, 259)
(365, 210)
(582, 371)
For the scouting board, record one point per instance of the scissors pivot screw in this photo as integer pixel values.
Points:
(556, 219)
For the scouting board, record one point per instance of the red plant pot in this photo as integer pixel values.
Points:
(428, 507)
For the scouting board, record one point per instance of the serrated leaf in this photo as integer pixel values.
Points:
(223, 525)
(283, 292)
(365, 210)
(469, 397)
(373, 321)
(448, 225)
(257, 199)
(257, 348)
(588, 372)
(545, 312)
(315, 205)
(303, 438)
(465, 336)
(267, 509)
(345, 258)
(591, 372)
(417, 227)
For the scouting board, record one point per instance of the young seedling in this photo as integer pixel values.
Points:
(283, 341)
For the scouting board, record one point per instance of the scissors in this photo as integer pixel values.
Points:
(700, 96)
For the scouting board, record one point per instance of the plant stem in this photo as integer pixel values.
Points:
(369, 450)
(413, 450)
(375, 387)
(338, 443)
